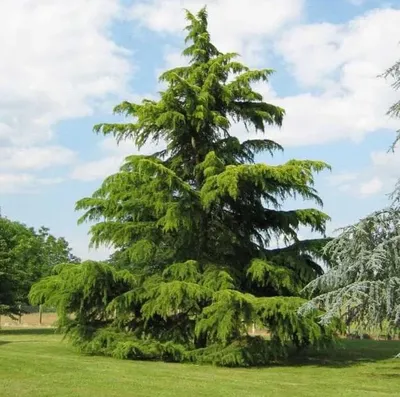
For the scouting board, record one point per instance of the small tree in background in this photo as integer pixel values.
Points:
(193, 224)
(26, 255)
(8, 282)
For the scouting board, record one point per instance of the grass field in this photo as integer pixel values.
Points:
(35, 363)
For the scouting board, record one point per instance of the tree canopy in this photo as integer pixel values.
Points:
(363, 282)
(26, 255)
(194, 226)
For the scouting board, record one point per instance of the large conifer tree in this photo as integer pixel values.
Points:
(193, 224)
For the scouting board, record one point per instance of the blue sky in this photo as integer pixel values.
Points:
(66, 64)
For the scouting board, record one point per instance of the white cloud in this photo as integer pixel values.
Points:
(336, 67)
(342, 62)
(235, 25)
(344, 181)
(81, 249)
(167, 16)
(57, 58)
(12, 183)
(35, 158)
(387, 163)
(98, 169)
(173, 58)
(344, 177)
(385, 172)
(379, 177)
(58, 62)
(371, 187)
(364, 45)
(113, 155)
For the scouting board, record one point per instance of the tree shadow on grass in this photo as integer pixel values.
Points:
(390, 376)
(27, 331)
(347, 353)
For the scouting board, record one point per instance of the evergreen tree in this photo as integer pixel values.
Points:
(194, 224)
(363, 283)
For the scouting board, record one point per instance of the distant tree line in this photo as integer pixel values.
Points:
(26, 256)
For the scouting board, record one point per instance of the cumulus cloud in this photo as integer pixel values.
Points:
(343, 181)
(371, 187)
(97, 170)
(35, 157)
(57, 58)
(58, 62)
(384, 172)
(387, 163)
(380, 176)
(367, 44)
(84, 252)
(236, 25)
(341, 63)
(12, 183)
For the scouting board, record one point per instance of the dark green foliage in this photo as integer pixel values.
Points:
(8, 280)
(193, 227)
(124, 345)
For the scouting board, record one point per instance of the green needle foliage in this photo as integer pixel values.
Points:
(193, 227)
(362, 284)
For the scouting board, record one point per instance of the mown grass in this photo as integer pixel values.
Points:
(35, 363)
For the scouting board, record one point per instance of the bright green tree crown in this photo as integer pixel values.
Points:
(203, 197)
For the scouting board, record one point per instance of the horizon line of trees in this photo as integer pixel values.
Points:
(26, 256)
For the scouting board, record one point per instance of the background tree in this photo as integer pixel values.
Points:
(363, 282)
(8, 296)
(26, 256)
(194, 224)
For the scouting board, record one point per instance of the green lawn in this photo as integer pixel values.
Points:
(37, 364)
